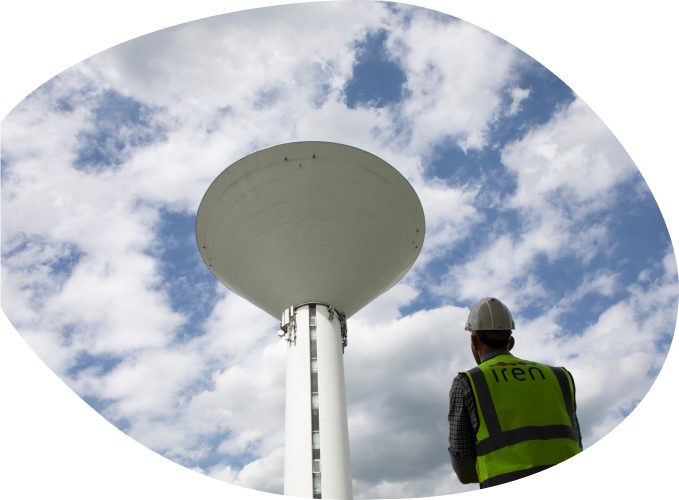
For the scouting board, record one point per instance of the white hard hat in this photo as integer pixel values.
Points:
(489, 314)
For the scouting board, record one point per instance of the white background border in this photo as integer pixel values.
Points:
(619, 57)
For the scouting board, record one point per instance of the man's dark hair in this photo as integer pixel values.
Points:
(494, 338)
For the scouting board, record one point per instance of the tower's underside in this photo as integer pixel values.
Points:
(310, 221)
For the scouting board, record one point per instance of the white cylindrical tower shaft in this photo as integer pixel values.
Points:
(317, 460)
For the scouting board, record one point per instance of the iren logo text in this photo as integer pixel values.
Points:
(504, 371)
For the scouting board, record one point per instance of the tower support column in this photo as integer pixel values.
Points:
(317, 462)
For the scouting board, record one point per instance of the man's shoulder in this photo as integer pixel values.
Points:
(460, 381)
(462, 375)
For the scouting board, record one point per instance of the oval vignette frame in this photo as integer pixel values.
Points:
(663, 370)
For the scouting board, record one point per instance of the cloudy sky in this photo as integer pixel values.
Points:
(527, 196)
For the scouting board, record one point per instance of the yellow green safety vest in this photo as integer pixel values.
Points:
(526, 418)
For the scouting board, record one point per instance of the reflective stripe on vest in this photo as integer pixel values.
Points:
(526, 418)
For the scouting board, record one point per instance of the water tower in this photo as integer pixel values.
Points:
(311, 232)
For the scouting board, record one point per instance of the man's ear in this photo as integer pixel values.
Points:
(511, 343)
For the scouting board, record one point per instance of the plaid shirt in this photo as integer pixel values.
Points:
(463, 421)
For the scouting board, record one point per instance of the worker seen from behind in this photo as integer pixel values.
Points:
(508, 417)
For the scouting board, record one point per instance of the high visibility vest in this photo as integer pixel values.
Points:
(526, 416)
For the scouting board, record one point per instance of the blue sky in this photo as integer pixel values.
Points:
(527, 196)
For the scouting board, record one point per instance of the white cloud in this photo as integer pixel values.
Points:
(450, 216)
(162, 373)
(615, 359)
(501, 269)
(124, 314)
(264, 473)
(386, 306)
(573, 162)
(48, 343)
(243, 53)
(398, 375)
(603, 284)
(455, 91)
(216, 393)
(236, 330)
(438, 481)
(566, 171)
(518, 95)
(222, 471)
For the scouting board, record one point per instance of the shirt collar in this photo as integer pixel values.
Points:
(492, 355)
